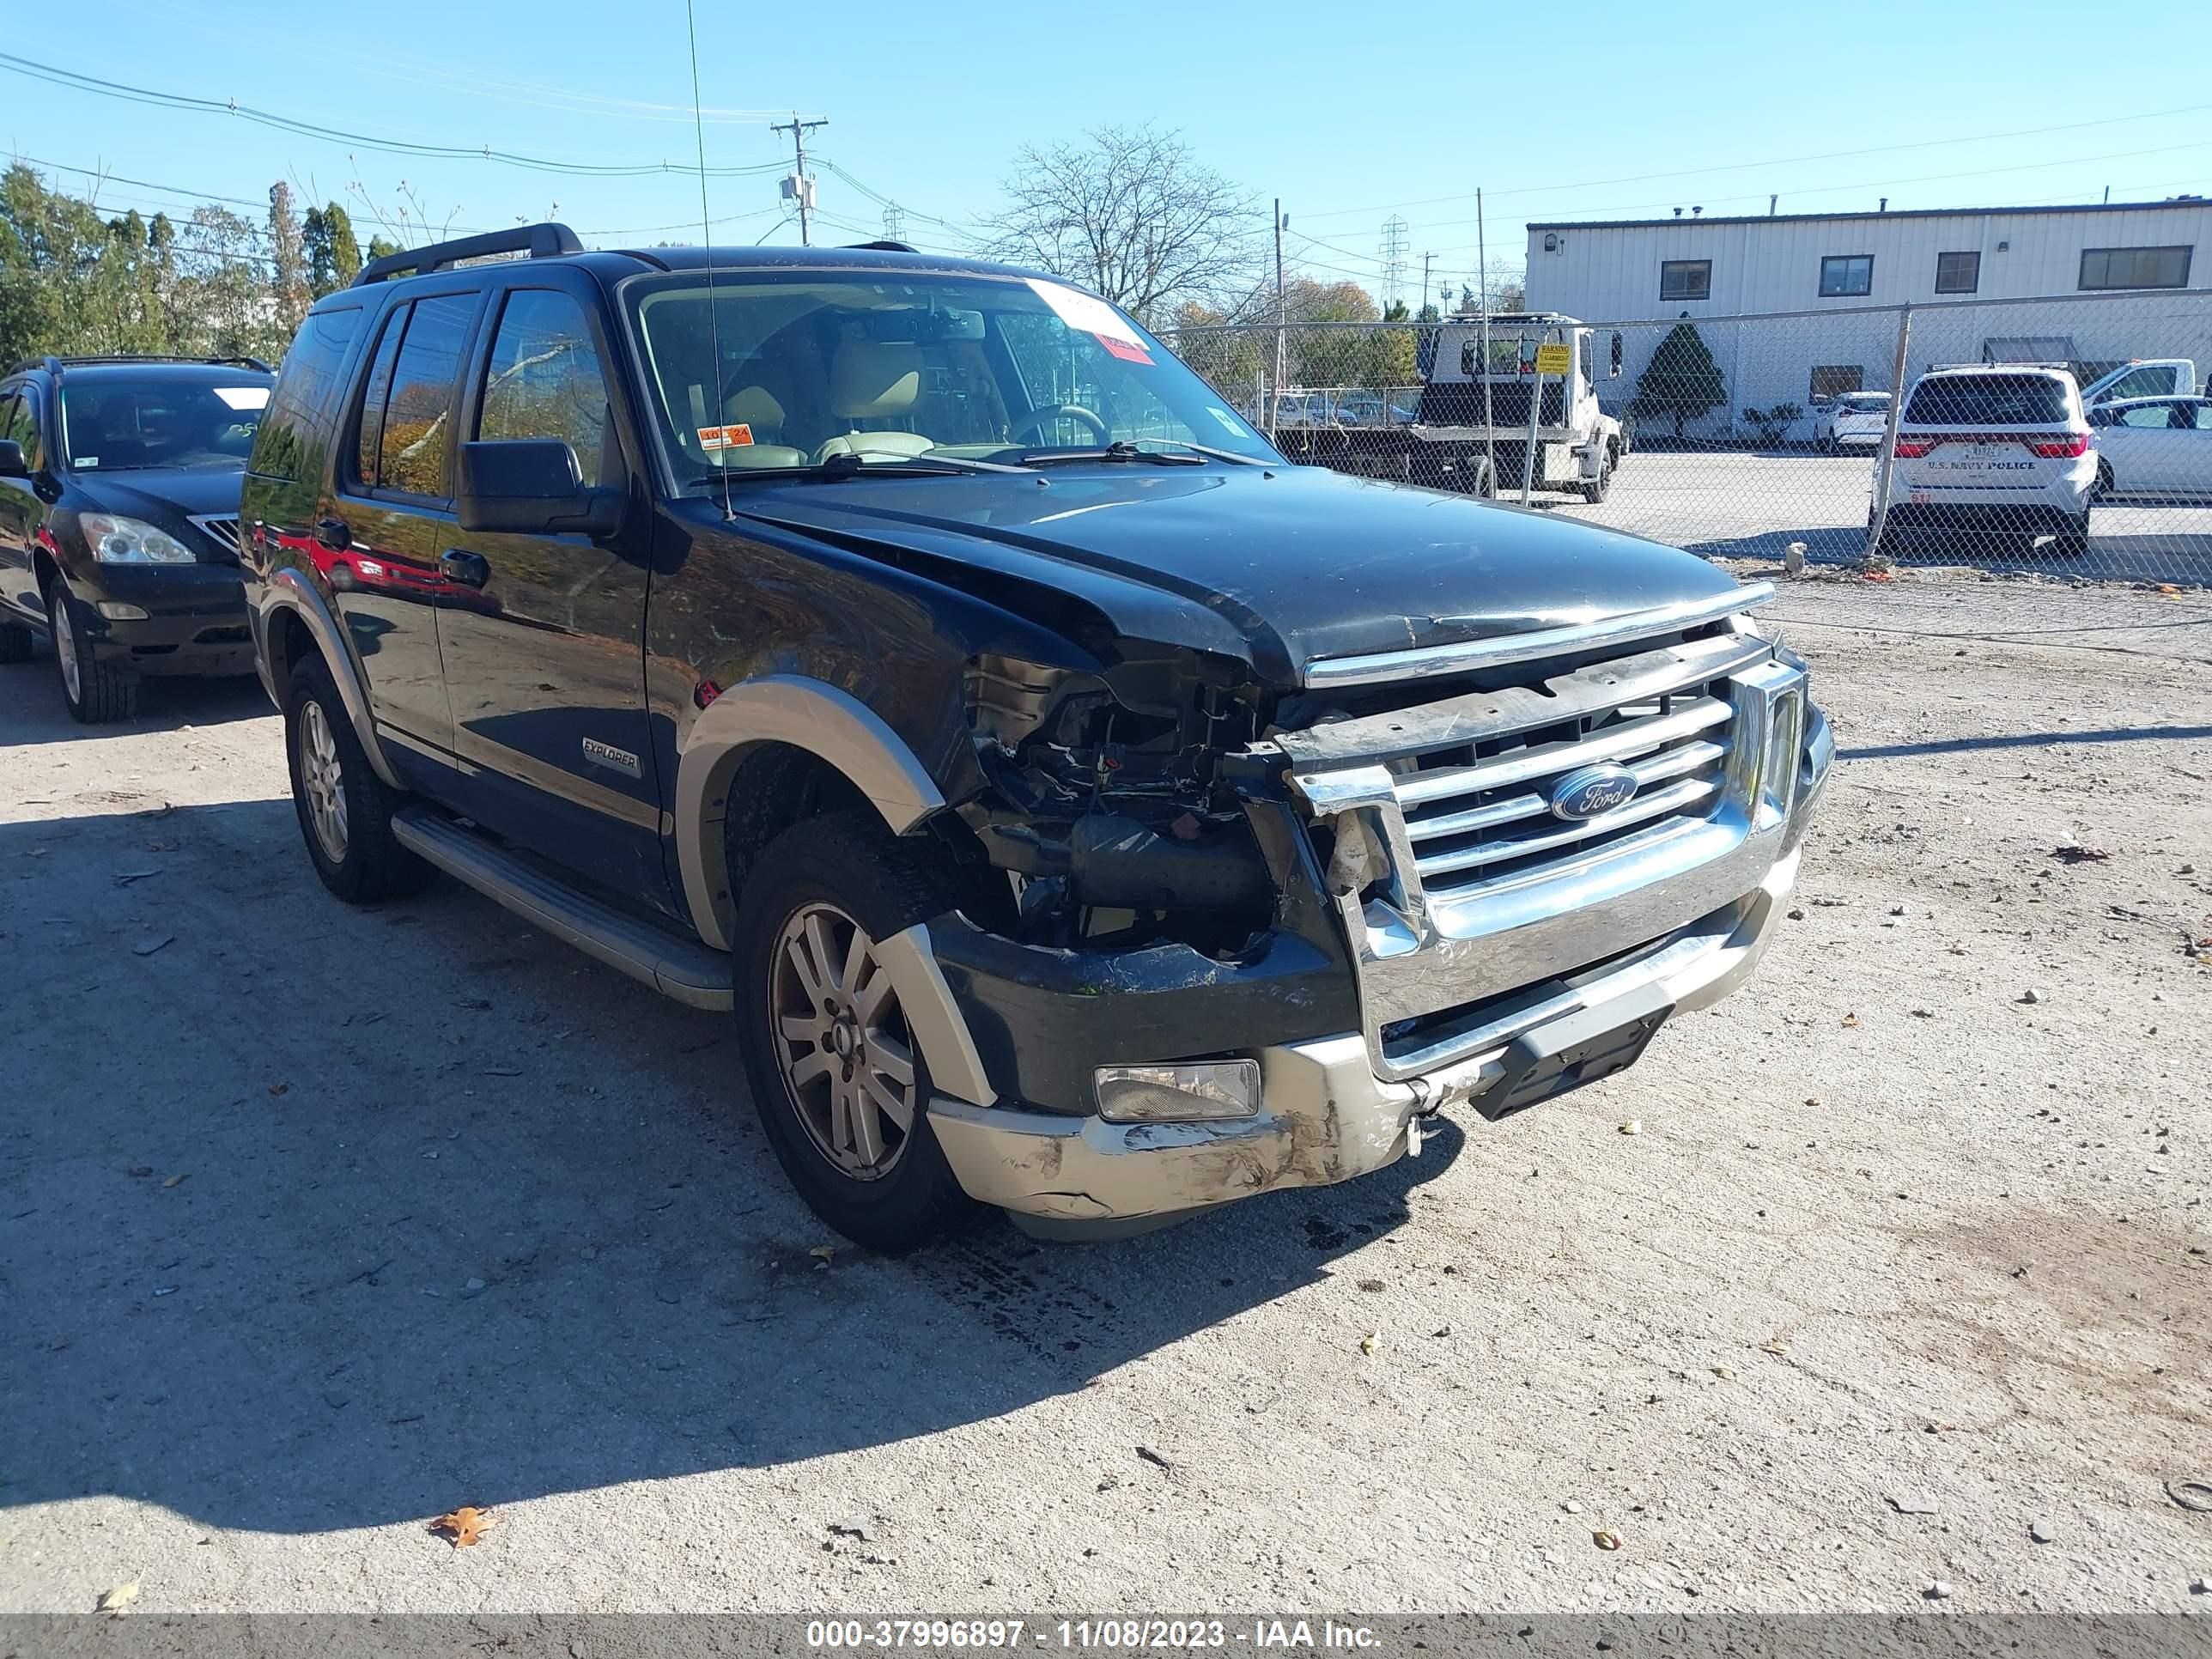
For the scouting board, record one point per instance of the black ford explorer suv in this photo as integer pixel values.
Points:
(118, 519)
(1082, 810)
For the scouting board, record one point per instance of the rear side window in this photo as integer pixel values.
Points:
(289, 444)
(406, 431)
(543, 380)
(1989, 400)
(2149, 417)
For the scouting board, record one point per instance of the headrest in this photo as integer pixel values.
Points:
(754, 406)
(869, 379)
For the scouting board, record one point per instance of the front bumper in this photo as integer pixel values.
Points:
(1327, 1116)
(194, 621)
(1329, 1112)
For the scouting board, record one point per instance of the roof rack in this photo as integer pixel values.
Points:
(54, 365)
(881, 247)
(2002, 363)
(542, 241)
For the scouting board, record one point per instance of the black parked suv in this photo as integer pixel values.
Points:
(1082, 810)
(118, 519)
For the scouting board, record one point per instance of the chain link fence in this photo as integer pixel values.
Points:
(1749, 436)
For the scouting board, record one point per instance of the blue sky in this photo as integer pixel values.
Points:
(1350, 116)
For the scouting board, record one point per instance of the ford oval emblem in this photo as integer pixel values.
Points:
(1588, 791)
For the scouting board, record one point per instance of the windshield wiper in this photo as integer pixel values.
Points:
(850, 465)
(1123, 452)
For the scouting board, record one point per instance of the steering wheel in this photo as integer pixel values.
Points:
(1039, 417)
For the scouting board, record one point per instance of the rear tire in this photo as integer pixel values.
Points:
(2074, 542)
(828, 1054)
(2102, 489)
(97, 692)
(16, 643)
(345, 809)
(1599, 488)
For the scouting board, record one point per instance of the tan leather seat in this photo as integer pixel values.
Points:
(870, 380)
(756, 407)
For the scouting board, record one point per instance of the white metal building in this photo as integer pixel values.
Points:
(2111, 281)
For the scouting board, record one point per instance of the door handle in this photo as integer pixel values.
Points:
(470, 570)
(334, 533)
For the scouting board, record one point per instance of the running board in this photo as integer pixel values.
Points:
(690, 973)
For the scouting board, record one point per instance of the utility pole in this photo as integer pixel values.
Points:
(799, 187)
(1482, 268)
(1275, 404)
(1425, 257)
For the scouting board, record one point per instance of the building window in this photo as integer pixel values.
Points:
(1846, 275)
(1832, 380)
(2135, 267)
(1958, 273)
(1686, 279)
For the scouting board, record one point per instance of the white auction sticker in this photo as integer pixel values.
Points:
(244, 396)
(1094, 317)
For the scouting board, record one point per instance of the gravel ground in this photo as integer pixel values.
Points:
(315, 1223)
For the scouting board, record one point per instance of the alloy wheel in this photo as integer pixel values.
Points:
(65, 646)
(842, 1042)
(323, 781)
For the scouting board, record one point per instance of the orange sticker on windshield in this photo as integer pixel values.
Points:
(1128, 350)
(712, 438)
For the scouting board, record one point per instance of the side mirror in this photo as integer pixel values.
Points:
(12, 464)
(531, 486)
(1616, 357)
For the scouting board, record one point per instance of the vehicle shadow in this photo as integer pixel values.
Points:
(362, 1214)
(37, 715)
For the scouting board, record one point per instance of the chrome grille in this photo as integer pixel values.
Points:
(222, 527)
(1488, 816)
(1463, 893)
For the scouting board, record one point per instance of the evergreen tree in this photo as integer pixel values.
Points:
(333, 255)
(1681, 380)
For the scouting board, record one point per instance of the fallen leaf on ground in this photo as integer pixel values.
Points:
(1606, 1540)
(1851, 1020)
(182, 1175)
(823, 1253)
(125, 878)
(280, 1088)
(464, 1526)
(2075, 853)
(1371, 1342)
(115, 1601)
(1633, 1126)
(153, 944)
(1777, 1346)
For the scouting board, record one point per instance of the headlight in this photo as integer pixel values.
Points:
(116, 540)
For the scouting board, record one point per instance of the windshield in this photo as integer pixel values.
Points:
(845, 369)
(1863, 403)
(118, 424)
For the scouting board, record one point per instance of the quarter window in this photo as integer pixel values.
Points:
(374, 391)
(1958, 273)
(2135, 267)
(1844, 276)
(1686, 279)
(544, 379)
(2151, 417)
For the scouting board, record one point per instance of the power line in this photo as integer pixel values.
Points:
(1780, 162)
(76, 81)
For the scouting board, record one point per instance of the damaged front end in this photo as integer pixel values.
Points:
(1292, 926)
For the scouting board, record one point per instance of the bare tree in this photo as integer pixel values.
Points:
(1130, 214)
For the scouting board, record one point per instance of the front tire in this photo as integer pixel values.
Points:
(97, 692)
(345, 809)
(840, 1084)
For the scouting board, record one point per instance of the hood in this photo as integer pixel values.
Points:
(162, 494)
(1291, 563)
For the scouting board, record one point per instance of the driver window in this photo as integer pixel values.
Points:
(2152, 416)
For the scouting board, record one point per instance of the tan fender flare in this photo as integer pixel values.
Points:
(290, 590)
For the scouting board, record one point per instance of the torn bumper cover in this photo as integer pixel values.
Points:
(1326, 1116)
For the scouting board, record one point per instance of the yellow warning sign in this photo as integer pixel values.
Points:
(1554, 359)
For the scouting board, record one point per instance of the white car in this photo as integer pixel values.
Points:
(2154, 447)
(1990, 452)
(1852, 420)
